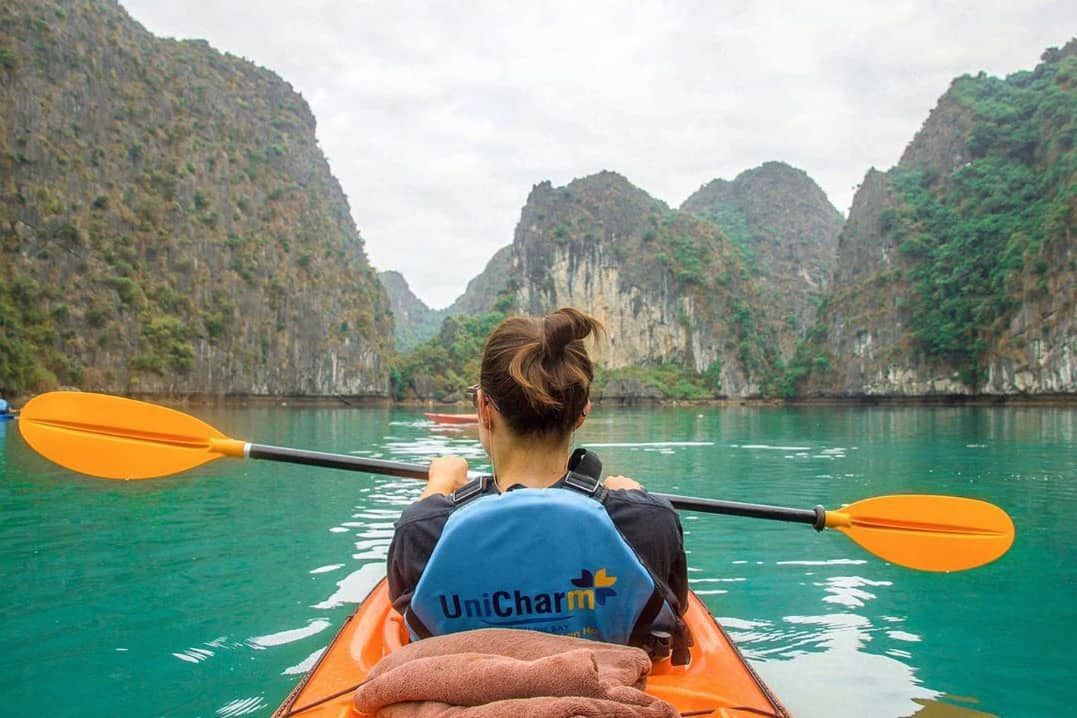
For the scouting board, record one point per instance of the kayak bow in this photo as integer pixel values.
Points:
(718, 682)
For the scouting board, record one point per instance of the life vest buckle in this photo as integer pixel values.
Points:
(658, 644)
(584, 484)
(471, 490)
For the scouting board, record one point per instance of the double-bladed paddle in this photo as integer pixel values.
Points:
(117, 438)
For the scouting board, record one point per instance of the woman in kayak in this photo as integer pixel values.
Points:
(595, 559)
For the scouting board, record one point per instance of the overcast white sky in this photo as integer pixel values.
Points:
(437, 118)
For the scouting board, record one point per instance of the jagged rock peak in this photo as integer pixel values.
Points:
(604, 180)
(787, 230)
(768, 171)
(942, 144)
(396, 285)
(768, 191)
(605, 183)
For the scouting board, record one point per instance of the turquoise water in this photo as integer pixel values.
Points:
(208, 594)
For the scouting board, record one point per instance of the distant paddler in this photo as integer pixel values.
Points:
(6, 412)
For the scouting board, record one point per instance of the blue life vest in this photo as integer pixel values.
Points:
(549, 560)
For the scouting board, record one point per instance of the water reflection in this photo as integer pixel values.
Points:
(829, 649)
(306, 665)
(242, 707)
(849, 591)
(354, 587)
(825, 662)
(314, 627)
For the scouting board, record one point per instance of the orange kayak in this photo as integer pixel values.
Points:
(718, 682)
(453, 418)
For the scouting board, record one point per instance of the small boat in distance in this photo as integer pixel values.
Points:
(452, 418)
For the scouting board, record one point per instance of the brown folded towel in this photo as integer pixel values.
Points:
(506, 672)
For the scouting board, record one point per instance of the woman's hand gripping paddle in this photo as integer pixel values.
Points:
(116, 438)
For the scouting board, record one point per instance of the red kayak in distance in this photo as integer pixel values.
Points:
(453, 418)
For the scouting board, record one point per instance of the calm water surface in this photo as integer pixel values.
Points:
(210, 594)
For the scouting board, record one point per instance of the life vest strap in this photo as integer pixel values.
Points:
(586, 485)
(585, 475)
(416, 625)
(470, 491)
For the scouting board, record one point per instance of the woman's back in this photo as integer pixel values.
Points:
(534, 392)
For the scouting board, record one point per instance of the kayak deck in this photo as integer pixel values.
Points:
(718, 682)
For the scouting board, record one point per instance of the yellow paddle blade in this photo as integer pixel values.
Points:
(930, 533)
(116, 438)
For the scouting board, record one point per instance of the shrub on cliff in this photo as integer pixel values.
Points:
(446, 364)
(969, 236)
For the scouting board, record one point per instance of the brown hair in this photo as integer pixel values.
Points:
(537, 372)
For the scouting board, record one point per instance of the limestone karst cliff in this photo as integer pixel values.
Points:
(484, 290)
(668, 286)
(413, 321)
(788, 231)
(956, 272)
(671, 289)
(168, 222)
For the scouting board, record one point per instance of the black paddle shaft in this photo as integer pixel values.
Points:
(815, 517)
(337, 461)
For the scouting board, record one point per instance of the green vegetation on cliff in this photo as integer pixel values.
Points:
(444, 366)
(413, 321)
(28, 334)
(970, 237)
(787, 231)
(167, 221)
(809, 357)
(660, 381)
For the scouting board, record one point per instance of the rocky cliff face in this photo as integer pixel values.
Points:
(416, 323)
(1037, 351)
(669, 287)
(788, 232)
(865, 314)
(482, 292)
(957, 270)
(673, 288)
(167, 221)
(413, 321)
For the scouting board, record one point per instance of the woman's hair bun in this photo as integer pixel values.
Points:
(565, 326)
(537, 372)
